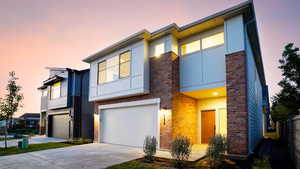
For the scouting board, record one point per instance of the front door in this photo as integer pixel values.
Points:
(207, 125)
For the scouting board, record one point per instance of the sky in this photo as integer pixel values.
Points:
(35, 34)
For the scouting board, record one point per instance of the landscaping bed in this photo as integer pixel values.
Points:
(161, 163)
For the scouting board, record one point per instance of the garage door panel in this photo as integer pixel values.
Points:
(128, 126)
(60, 126)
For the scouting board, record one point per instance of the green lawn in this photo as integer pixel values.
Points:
(32, 147)
(9, 138)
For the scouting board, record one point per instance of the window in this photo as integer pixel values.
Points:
(125, 64)
(190, 47)
(55, 90)
(102, 72)
(44, 92)
(114, 68)
(213, 40)
(159, 49)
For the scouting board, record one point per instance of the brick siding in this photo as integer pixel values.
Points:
(237, 114)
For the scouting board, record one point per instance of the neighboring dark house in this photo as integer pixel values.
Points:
(65, 110)
(31, 120)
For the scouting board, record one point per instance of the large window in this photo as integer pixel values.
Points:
(114, 68)
(214, 40)
(125, 64)
(55, 90)
(159, 49)
(190, 47)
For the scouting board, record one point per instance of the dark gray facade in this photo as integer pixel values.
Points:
(71, 114)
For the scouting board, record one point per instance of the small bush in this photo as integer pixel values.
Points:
(216, 150)
(181, 149)
(78, 141)
(263, 163)
(149, 147)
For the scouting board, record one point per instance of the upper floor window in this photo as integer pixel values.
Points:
(44, 92)
(190, 47)
(114, 68)
(214, 40)
(55, 90)
(159, 49)
(125, 64)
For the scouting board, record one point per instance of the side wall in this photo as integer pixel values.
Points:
(255, 100)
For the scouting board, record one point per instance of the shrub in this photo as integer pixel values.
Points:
(149, 147)
(216, 150)
(78, 141)
(263, 163)
(181, 149)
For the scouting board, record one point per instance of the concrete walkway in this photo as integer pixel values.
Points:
(32, 140)
(88, 156)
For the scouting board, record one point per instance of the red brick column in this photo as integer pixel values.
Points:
(164, 82)
(237, 113)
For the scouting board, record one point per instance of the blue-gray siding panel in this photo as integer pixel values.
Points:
(255, 100)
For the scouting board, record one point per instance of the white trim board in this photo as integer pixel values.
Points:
(129, 104)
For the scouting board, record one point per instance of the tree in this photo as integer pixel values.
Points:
(11, 102)
(286, 103)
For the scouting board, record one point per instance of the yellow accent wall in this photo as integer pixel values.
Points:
(184, 117)
(219, 105)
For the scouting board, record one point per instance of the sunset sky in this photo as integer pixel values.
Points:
(35, 34)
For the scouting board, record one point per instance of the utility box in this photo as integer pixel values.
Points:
(20, 144)
(25, 142)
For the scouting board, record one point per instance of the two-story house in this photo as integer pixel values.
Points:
(198, 80)
(65, 109)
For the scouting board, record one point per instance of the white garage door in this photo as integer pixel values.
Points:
(128, 125)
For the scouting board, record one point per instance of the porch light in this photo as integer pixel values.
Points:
(164, 114)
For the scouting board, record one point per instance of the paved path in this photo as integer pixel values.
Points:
(88, 156)
(33, 140)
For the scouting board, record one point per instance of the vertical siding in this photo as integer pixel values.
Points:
(255, 101)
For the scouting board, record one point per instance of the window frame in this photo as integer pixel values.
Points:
(98, 72)
(210, 35)
(129, 60)
(119, 67)
(158, 44)
(200, 49)
(51, 91)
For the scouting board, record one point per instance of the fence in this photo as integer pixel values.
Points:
(290, 134)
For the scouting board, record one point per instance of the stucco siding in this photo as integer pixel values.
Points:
(255, 100)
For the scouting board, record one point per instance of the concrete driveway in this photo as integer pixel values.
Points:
(88, 156)
(33, 140)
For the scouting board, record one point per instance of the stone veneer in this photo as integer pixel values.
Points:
(237, 113)
(184, 117)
